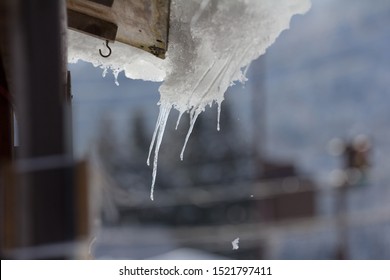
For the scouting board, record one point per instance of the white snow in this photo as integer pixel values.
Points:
(235, 243)
(211, 44)
(136, 63)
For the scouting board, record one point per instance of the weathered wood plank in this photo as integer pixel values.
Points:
(141, 23)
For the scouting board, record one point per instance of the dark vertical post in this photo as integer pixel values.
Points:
(37, 60)
(6, 147)
(44, 166)
(6, 118)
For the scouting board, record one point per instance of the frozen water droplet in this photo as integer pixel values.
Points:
(235, 243)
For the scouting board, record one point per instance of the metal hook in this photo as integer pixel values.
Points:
(109, 50)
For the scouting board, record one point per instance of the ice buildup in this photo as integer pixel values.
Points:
(211, 44)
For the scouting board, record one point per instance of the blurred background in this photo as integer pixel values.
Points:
(299, 169)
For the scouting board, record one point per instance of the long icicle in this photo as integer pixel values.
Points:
(159, 132)
(219, 103)
(178, 119)
(192, 123)
(156, 129)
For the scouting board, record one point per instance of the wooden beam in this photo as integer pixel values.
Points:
(107, 3)
(142, 24)
(92, 25)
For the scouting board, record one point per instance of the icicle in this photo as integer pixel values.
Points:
(219, 116)
(156, 129)
(158, 133)
(194, 116)
(105, 69)
(178, 120)
(116, 74)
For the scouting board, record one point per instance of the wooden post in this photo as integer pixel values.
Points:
(44, 224)
(6, 118)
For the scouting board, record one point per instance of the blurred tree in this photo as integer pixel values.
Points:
(107, 145)
(211, 156)
(137, 137)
